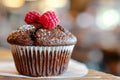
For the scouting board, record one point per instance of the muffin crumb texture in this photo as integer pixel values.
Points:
(30, 35)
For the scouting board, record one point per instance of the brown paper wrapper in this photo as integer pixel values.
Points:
(41, 61)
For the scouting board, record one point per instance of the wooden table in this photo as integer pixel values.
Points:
(5, 55)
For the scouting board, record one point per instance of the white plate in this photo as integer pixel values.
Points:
(75, 69)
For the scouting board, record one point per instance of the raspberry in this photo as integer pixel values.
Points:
(32, 17)
(49, 19)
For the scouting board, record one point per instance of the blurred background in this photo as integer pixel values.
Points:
(95, 23)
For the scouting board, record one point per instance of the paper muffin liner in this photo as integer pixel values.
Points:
(41, 61)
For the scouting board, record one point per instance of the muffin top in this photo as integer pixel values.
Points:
(35, 34)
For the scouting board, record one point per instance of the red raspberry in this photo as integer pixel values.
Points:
(49, 19)
(32, 17)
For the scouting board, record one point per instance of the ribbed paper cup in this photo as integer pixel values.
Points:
(41, 61)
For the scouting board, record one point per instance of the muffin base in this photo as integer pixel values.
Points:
(41, 61)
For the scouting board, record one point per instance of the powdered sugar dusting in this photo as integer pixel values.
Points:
(48, 32)
(26, 27)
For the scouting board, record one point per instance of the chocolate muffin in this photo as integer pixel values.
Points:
(40, 50)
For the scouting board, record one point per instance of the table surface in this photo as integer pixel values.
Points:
(5, 55)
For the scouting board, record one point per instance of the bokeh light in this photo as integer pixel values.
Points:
(45, 5)
(108, 19)
(85, 20)
(13, 3)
